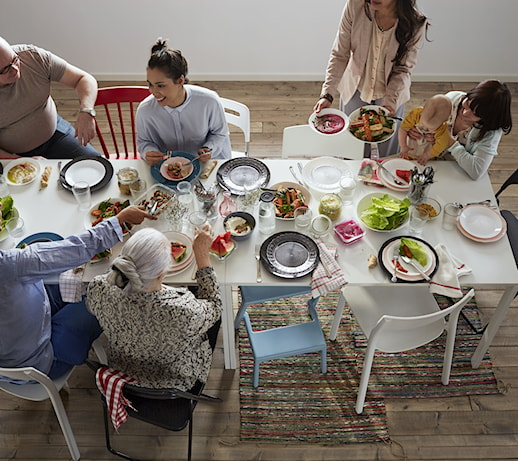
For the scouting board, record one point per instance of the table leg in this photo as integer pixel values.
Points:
(227, 321)
(496, 320)
(338, 316)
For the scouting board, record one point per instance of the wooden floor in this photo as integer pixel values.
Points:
(460, 428)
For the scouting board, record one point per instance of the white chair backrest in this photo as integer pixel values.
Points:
(238, 114)
(398, 334)
(302, 141)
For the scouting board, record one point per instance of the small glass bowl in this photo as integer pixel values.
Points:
(226, 255)
(349, 231)
(431, 206)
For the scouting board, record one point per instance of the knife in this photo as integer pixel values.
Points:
(295, 176)
(394, 178)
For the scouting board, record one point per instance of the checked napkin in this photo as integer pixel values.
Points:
(71, 284)
(446, 279)
(321, 284)
(110, 382)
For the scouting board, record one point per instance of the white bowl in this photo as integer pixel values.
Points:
(366, 202)
(355, 117)
(292, 185)
(312, 122)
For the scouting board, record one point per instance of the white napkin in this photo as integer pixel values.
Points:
(71, 284)
(446, 279)
(321, 284)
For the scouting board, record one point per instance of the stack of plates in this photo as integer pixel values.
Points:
(173, 236)
(481, 224)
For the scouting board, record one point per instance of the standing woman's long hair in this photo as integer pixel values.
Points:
(171, 62)
(410, 20)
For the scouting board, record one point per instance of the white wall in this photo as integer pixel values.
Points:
(248, 40)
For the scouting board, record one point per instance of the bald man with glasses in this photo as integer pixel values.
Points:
(29, 123)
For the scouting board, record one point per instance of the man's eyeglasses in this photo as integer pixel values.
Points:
(7, 68)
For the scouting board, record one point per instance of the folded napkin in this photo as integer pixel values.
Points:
(446, 279)
(110, 382)
(71, 284)
(321, 284)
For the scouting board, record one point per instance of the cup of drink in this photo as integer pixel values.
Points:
(418, 219)
(347, 188)
(81, 191)
(449, 216)
(15, 226)
(137, 188)
(302, 216)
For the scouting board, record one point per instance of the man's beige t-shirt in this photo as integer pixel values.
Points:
(27, 112)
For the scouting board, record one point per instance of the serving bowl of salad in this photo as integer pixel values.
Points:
(383, 212)
(371, 123)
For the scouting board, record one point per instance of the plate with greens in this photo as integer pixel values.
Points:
(420, 250)
(383, 212)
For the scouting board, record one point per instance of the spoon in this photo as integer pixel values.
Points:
(394, 276)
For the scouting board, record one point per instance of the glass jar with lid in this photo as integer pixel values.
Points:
(266, 213)
(126, 177)
(331, 206)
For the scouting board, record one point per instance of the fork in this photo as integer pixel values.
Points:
(258, 260)
(416, 266)
(394, 275)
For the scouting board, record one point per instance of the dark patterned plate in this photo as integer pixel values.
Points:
(289, 255)
(158, 177)
(97, 171)
(385, 258)
(235, 173)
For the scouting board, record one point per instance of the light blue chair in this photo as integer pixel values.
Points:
(285, 341)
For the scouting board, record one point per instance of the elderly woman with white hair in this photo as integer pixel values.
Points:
(160, 335)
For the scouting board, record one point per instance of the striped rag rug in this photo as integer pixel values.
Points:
(295, 402)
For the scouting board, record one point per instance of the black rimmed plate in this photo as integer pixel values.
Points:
(385, 258)
(289, 255)
(96, 171)
(235, 173)
(40, 237)
(159, 178)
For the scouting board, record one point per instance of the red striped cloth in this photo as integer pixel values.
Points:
(110, 382)
(321, 284)
(446, 279)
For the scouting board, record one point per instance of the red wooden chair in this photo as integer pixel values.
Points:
(120, 104)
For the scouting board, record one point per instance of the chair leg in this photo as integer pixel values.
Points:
(448, 351)
(364, 381)
(256, 373)
(65, 426)
(107, 436)
(189, 442)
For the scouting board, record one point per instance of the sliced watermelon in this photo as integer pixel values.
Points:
(222, 244)
(405, 175)
(178, 251)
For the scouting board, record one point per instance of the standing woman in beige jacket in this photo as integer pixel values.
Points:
(372, 59)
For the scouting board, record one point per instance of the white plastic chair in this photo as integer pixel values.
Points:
(302, 141)
(43, 389)
(285, 341)
(238, 114)
(397, 320)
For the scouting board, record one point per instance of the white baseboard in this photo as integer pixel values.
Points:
(304, 77)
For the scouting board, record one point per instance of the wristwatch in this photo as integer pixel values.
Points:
(88, 110)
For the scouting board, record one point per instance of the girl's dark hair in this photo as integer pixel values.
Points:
(491, 101)
(169, 61)
(409, 22)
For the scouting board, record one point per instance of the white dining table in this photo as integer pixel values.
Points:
(54, 209)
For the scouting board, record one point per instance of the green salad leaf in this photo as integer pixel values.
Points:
(6, 205)
(417, 250)
(385, 213)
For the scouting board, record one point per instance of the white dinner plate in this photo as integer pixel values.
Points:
(314, 121)
(354, 116)
(393, 164)
(91, 171)
(16, 173)
(412, 275)
(323, 173)
(90, 218)
(481, 222)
